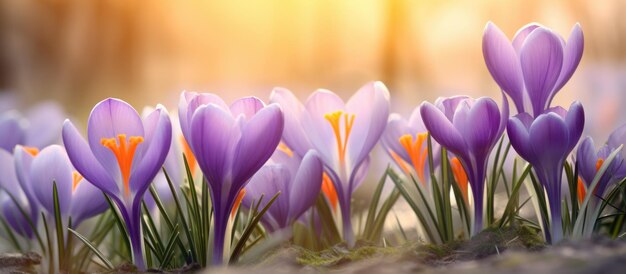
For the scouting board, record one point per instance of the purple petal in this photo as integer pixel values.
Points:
(572, 53)
(482, 127)
(306, 185)
(15, 218)
(521, 35)
(415, 121)
(85, 162)
(11, 132)
(156, 147)
(268, 181)
(52, 166)
(358, 175)
(517, 131)
(87, 201)
(549, 137)
(586, 159)
(541, 59)
(213, 136)
(108, 119)
(293, 135)
(259, 138)
(575, 121)
(23, 162)
(189, 102)
(396, 128)
(448, 105)
(9, 180)
(617, 138)
(320, 131)
(503, 64)
(441, 129)
(370, 106)
(247, 106)
(45, 121)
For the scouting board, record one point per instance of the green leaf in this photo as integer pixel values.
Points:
(59, 226)
(95, 250)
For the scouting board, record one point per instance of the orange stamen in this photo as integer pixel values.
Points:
(284, 148)
(401, 163)
(191, 159)
(124, 153)
(240, 195)
(460, 177)
(581, 191)
(329, 190)
(76, 178)
(599, 164)
(334, 118)
(31, 150)
(416, 153)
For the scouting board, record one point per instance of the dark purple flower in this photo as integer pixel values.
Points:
(343, 134)
(230, 143)
(121, 156)
(470, 129)
(298, 179)
(534, 66)
(545, 143)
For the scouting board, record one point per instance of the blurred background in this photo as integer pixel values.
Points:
(78, 52)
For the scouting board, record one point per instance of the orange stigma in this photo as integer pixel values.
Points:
(284, 148)
(334, 118)
(416, 153)
(124, 152)
(191, 159)
(401, 163)
(599, 164)
(76, 178)
(581, 191)
(238, 202)
(460, 176)
(31, 150)
(329, 190)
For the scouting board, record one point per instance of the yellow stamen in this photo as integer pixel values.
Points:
(76, 178)
(191, 159)
(581, 191)
(238, 202)
(334, 118)
(284, 148)
(329, 190)
(417, 154)
(31, 150)
(460, 177)
(124, 155)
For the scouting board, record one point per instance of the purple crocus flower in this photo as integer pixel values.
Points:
(534, 66)
(342, 133)
(589, 161)
(78, 199)
(545, 143)
(469, 128)
(406, 143)
(39, 127)
(121, 156)
(298, 179)
(11, 185)
(230, 143)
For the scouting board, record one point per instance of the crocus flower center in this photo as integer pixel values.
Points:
(416, 152)
(31, 150)
(329, 190)
(284, 148)
(459, 176)
(238, 202)
(191, 159)
(124, 151)
(76, 178)
(334, 118)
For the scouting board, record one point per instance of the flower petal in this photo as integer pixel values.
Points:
(572, 53)
(247, 106)
(586, 159)
(85, 162)
(45, 121)
(517, 130)
(521, 35)
(189, 102)
(575, 121)
(268, 181)
(49, 167)
(503, 63)
(259, 138)
(441, 129)
(548, 138)
(370, 105)
(541, 58)
(293, 135)
(306, 185)
(320, 131)
(11, 132)
(87, 201)
(108, 119)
